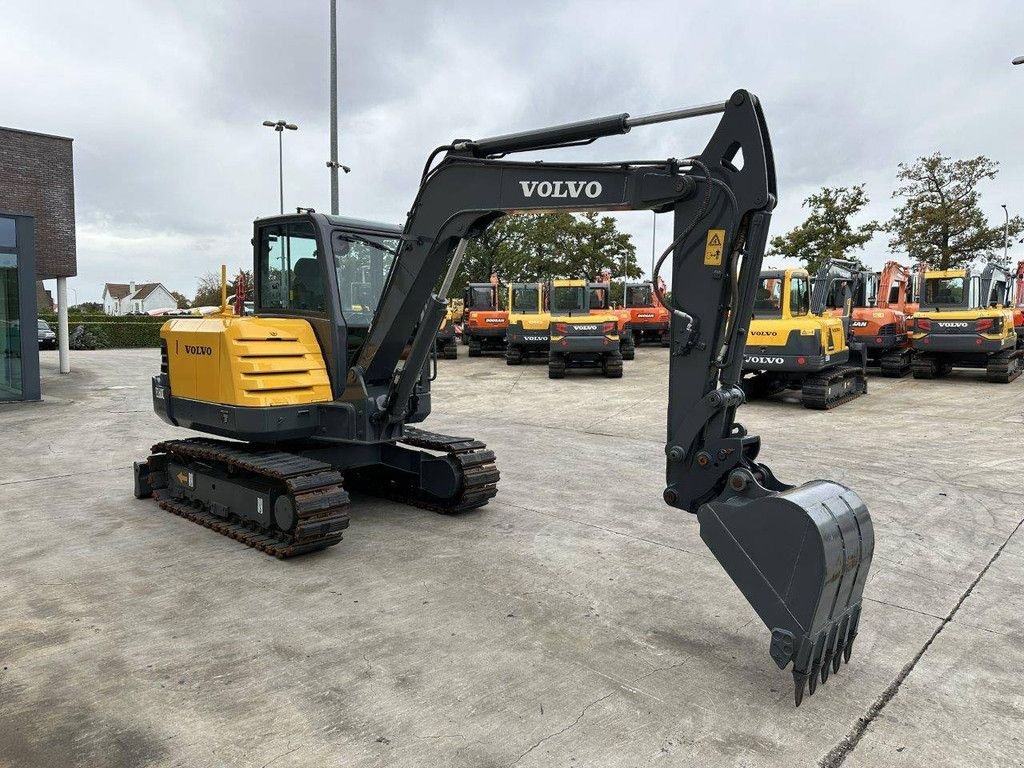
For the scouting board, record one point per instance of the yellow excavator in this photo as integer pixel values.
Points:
(580, 338)
(528, 321)
(965, 320)
(318, 391)
(795, 342)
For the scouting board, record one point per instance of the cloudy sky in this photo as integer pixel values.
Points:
(165, 101)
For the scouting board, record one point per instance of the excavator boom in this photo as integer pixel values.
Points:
(800, 555)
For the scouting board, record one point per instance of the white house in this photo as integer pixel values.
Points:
(125, 298)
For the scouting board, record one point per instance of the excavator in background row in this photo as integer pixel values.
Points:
(647, 317)
(579, 337)
(600, 298)
(528, 321)
(965, 320)
(315, 395)
(484, 320)
(880, 319)
(794, 344)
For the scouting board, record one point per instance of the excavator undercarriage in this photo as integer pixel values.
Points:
(316, 394)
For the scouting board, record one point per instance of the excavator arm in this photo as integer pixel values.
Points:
(800, 555)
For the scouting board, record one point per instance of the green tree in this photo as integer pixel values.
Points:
(827, 232)
(208, 288)
(940, 221)
(181, 299)
(529, 247)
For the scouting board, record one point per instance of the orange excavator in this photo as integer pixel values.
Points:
(484, 321)
(647, 317)
(882, 328)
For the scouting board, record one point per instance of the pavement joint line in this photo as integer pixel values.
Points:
(607, 530)
(838, 754)
(57, 477)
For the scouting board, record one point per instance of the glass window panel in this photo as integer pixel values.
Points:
(8, 235)
(10, 330)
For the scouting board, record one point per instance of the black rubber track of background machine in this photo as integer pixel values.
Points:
(895, 365)
(315, 490)
(814, 390)
(479, 483)
(1004, 367)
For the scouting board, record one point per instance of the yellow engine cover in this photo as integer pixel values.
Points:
(246, 361)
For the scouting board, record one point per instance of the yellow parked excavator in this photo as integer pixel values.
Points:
(795, 342)
(528, 320)
(317, 392)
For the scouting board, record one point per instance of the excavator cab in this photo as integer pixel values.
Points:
(318, 392)
(528, 321)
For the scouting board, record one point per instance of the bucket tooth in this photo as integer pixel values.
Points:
(799, 682)
(800, 555)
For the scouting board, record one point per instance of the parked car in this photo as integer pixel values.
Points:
(47, 338)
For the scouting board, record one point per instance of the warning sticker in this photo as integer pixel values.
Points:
(714, 247)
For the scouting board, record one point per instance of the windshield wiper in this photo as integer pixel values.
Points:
(352, 237)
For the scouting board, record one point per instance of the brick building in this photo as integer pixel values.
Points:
(37, 242)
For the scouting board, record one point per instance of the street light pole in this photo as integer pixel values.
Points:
(333, 164)
(280, 126)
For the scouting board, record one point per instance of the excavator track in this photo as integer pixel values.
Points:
(896, 365)
(830, 388)
(312, 489)
(1004, 367)
(479, 483)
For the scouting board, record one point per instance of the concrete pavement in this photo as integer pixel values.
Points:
(574, 621)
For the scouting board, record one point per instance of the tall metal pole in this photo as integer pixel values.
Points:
(280, 166)
(334, 108)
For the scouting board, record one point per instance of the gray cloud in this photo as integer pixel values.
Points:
(165, 101)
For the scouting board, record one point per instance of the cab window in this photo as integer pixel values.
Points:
(638, 296)
(480, 297)
(598, 298)
(944, 290)
(768, 298)
(525, 299)
(799, 296)
(289, 273)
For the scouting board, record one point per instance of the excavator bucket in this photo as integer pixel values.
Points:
(800, 555)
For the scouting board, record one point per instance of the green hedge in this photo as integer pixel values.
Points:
(114, 335)
(99, 317)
